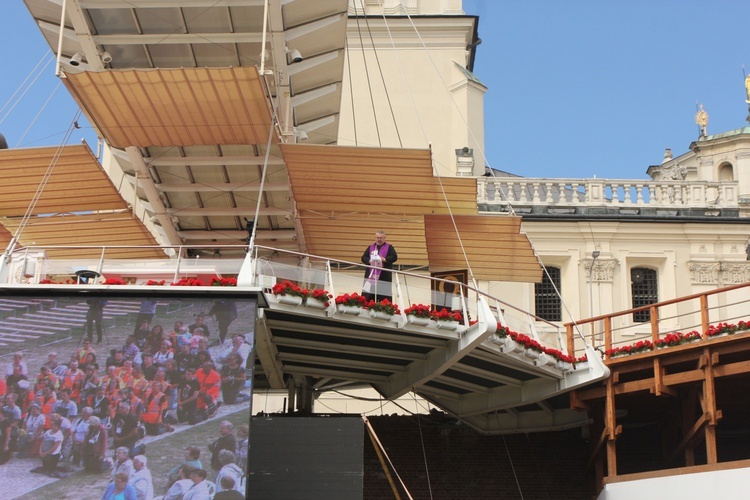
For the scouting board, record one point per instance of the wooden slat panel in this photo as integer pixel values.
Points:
(177, 107)
(493, 246)
(85, 230)
(77, 182)
(346, 237)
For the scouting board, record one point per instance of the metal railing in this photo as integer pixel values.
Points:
(409, 288)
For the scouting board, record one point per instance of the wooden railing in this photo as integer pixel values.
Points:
(692, 312)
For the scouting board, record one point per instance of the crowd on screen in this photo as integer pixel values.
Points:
(84, 403)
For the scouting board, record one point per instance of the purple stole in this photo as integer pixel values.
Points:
(375, 272)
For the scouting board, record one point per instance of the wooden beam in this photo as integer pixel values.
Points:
(610, 423)
(689, 436)
(597, 447)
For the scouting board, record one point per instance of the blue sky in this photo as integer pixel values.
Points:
(577, 88)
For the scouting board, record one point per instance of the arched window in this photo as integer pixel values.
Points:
(726, 172)
(548, 303)
(644, 288)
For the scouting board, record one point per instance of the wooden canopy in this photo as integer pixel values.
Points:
(177, 107)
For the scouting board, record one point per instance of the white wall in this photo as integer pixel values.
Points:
(724, 485)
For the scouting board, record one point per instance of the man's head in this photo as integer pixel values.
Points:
(189, 374)
(119, 356)
(226, 428)
(86, 344)
(226, 457)
(238, 340)
(207, 367)
(64, 395)
(87, 412)
(121, 454)
(123, 409)
(198, 475)
(227, 482)
(199, 319)
(139, 462)
(73, 365)
(192, 453)
(380, 237)
(148, 360)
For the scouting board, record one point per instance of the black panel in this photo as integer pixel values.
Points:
(306, 458)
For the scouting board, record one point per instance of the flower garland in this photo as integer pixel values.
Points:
(351, 300)
(53, 282)
(155, 283)
(418, 310)
(384, 305)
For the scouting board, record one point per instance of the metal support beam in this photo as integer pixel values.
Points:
(211, 161)
(160, 211)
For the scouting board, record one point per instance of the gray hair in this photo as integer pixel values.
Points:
(142, 459)
(87, 411)
(95, 421)
(226, 457)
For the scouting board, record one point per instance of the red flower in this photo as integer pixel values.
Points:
(113, 281)
(384, 305)
(223, 281)
(446, 315)
(288, 288)
(188, 282)
(155, 283)
(354, 300)
(418, 310)
(321, 295)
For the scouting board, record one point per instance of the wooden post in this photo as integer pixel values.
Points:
(610, 423)
(607, 334)
(704, 313)
(654, 323)
(709, 401)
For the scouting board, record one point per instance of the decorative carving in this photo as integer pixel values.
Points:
(604, 270)
(673, 172)
(704, 273)
(742, 155)
(734, 273)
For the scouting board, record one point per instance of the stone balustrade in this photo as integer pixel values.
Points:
(623, 194)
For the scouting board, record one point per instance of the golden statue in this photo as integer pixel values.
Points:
(701, 118)
(747, 89)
